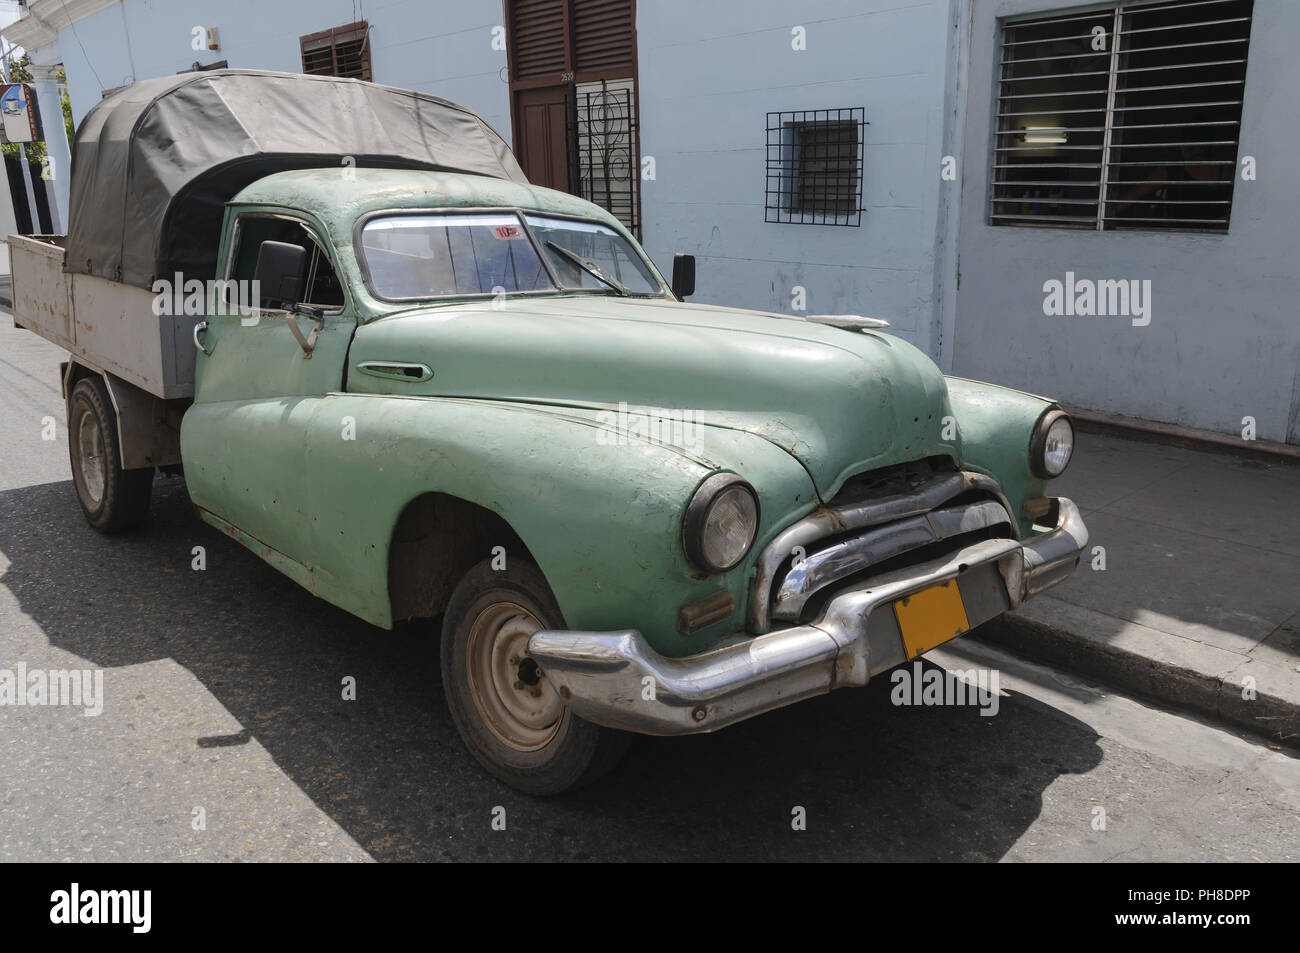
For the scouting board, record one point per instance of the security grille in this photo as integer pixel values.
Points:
(1122, 118)
(814, 166)
(342, 51)
(606, 148)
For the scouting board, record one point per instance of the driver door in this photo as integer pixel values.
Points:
(244, 440)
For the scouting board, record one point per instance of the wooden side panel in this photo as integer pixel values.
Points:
(115, 328)
(40, 288)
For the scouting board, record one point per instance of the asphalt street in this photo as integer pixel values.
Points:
(223, 704)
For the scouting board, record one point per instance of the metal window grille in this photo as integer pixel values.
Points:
(815, 166)
(1127, 117)
(342, 51)
(606, 148)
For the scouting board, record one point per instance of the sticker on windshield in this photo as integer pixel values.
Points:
(507, 231)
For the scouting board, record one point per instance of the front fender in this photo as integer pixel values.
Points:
(600, 512)
(996, 425)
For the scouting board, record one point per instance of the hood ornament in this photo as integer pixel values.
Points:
(848, 322)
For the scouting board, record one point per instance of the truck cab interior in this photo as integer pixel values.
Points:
(321, 285)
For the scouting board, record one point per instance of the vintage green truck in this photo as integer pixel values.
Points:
(458, 396)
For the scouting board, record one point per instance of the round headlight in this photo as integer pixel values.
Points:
(1052, 445)
(720, 523)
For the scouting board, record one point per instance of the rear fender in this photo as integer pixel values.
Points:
(148, 428)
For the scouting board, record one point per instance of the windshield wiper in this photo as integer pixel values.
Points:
(587, 266)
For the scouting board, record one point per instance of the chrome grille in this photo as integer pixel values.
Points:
(855, 555)
(874, 519)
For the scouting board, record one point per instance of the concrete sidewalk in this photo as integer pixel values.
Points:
(1200, 592)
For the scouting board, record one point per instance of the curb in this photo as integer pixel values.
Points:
(1188, 438)
(1163, 667)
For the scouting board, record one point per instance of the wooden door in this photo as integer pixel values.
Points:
(542, 136)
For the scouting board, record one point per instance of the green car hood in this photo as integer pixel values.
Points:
(839, 401)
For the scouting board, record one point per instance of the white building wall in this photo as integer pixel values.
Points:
(710, 73)
(443, 48)
(1223, 342)
(8, 222)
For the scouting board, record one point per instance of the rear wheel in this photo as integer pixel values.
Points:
(113, 499)
(507, 711)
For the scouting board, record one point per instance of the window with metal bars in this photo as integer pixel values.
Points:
(342, 51)
(1122, 118)
(606, 143)
(814, 166)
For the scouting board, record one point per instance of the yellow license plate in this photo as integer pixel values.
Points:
(931, 617)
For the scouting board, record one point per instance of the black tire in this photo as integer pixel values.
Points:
(576, 752)
(113, 499)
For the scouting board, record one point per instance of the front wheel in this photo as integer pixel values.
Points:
(507, 711)
(113, 499)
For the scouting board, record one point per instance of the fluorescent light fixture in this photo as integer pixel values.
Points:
(1044, 136)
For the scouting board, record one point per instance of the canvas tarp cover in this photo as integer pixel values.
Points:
(154, 164)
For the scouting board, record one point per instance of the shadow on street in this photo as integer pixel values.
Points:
(878, 782)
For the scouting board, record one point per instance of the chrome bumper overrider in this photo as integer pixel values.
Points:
(617, 679)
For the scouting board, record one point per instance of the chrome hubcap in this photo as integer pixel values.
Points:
(90, 459)
(514, 697)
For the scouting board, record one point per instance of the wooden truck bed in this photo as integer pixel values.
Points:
(105, 324)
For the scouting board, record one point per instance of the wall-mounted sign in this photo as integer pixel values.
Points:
(18, 109)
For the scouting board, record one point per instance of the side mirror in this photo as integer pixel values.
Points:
(279, 273)
(683, 275)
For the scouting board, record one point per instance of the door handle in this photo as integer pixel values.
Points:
(308, 343)
(199, 329)
(397, 371)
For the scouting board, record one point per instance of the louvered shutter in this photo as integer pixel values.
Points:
(537, 42)
(342, 51)
(604, 39)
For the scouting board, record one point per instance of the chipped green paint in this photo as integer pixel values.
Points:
(996, 425)
(314, 461)
(840, 402)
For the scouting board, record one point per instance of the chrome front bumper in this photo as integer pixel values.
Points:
(617, 679)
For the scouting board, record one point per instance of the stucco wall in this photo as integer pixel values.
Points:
(709, 74)
(1223, 342)
(445, 49)
(1224, 339)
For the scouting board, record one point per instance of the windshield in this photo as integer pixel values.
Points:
(475, 253)
(424, 256)
(597, 245)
